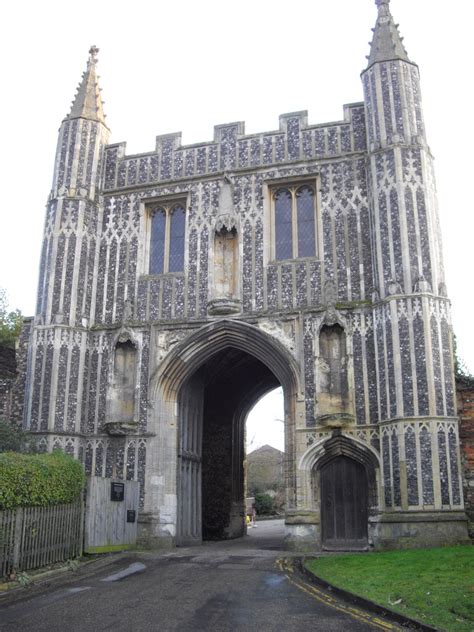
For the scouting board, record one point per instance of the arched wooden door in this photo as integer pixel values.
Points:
(344, 504)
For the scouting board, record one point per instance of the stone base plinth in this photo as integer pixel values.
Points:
(302, 531)
(236, 528)
(417, 529)
(152, 534)
(386, 531)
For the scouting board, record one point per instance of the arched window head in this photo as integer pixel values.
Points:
(167, 233)
(294, 218)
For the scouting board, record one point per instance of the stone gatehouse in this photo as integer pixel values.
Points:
(179, 286)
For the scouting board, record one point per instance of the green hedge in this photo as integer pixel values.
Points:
(264, 504)
(38, 480)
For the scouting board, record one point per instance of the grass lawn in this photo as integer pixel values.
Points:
(435, 586)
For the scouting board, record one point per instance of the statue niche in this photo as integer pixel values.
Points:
(121, 410)
(225, 268)
(333, 396)
(225, 263)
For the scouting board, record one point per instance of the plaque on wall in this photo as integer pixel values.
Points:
(117, 491)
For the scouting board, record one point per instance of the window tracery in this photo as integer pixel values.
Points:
(294, 218)
(167, 232)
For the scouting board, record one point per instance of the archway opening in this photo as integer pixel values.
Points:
(213, 404)
(265, 455)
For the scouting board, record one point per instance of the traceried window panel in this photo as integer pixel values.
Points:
(176, 250)
(283, 224)
(305, 218)
(294, 222)
(157, 240)
(167, 231)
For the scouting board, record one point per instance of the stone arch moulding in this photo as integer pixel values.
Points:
(194, 350)
(124, 334)
(161, 492)
(341, 444)
(335, 317)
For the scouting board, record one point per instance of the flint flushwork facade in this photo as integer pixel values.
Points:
(122, 362)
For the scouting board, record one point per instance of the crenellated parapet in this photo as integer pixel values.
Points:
(231, 149)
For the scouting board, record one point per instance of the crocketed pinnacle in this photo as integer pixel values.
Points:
(88, 102)
(386, 43)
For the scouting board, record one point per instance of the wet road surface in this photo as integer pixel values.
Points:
(245, 584)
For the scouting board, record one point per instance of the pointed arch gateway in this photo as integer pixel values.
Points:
(342, 477)
(206, 386)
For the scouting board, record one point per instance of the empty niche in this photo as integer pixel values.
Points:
(225, 257)
(333, 383)
(225, 262)
(122, 396)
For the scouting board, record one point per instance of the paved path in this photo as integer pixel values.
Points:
(246, 584)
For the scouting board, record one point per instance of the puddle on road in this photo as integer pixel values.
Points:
(136, 567)
(73, 591)
(273, 580)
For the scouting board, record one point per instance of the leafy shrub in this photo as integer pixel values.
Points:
(264, 504)
(39, 480)
(10, 321)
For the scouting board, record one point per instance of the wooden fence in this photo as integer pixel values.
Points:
(31, 537)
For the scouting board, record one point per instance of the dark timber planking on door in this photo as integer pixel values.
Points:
(344, 504)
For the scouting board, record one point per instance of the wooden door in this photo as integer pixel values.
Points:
(189, 528)
(344, 506)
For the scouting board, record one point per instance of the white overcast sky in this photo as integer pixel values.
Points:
(187, 65)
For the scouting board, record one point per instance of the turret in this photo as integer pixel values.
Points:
(412, 331)
(82, 137)
(68, 266)
(68, 256)
(407, 241)
(391, 86)
(405, 234)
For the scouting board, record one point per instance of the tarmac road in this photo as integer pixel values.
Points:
(245, 584)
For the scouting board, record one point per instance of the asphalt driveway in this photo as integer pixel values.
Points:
(246, 584)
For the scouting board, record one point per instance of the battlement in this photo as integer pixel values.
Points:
(232, 149)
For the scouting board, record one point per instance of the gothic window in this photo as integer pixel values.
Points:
(294, 219)
(167, 238)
